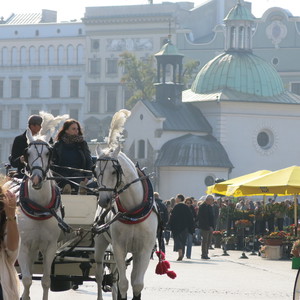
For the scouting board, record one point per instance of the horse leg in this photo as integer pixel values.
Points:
(120, 255)
(100, 246)
(25, 261)
(139, 267)
(48, 256)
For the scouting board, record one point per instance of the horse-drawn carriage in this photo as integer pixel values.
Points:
(82, 252)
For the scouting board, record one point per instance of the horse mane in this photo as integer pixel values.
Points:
(50, 123)
(117, 127)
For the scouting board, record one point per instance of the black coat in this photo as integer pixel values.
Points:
(181, 218)
(163, 212)
(18, 149)
(79, 157)
(205, 216)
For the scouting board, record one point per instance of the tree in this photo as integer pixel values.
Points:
(189, 73)
(139, 77)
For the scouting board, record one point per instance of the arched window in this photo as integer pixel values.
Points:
(23, 59)
(14, 56)
(32, 56)
(51, 59)
(70, 55)
(141, 149)
(80, 55)
(5, 61)
(42, 56)
(60, 55)
(241, 37)
(232, 37)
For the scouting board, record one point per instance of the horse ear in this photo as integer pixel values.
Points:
(116, 152)
(99, 151)
(29, 136)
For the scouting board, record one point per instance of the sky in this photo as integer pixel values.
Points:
(74, 9)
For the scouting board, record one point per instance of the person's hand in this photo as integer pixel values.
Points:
(22, 159)
(10, 204)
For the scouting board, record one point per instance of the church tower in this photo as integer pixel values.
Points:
(169, 74)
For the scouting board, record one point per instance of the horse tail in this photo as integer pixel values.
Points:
(117, 127)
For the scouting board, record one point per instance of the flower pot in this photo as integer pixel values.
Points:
(273, 242)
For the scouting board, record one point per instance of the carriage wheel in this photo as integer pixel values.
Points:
(296, 294)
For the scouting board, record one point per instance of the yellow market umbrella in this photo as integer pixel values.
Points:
(281, 182)
(221, 187)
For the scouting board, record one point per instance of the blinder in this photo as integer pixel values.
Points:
(116, 166)
(35, 144)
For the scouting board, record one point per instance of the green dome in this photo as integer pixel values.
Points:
(239, 71)
(239, 12)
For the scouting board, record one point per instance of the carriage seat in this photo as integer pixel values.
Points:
(79, 209)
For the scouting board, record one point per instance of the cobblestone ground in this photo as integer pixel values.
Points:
(221, 277)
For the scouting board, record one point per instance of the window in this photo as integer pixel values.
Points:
(141, 149)
(94, 66)
(15, 88)
(295, 88)
(112, 66)
(74, 88)
(111, 100)
(1, 119)
(14, 119)
(94, 101)
(265, 139)
(209, 180)
(1, 88)
(55, 112)
(95, 45)
(74, 114)
(35, 88)
(55, 88)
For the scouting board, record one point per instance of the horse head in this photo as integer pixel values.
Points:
(37, 158)
(108, 173)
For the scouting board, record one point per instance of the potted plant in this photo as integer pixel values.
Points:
(274, 238)
(243, 223)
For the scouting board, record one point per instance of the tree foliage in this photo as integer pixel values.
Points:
(139, 77)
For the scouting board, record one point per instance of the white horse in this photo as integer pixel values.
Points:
(135, 232)
(39, 201)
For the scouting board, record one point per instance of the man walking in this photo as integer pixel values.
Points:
(205, 220)
(181, 224)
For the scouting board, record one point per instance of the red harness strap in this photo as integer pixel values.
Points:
(139, 210)
(49, 206)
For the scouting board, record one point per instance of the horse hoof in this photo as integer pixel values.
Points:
(137, 297)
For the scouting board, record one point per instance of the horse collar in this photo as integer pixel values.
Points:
(35, 212)
(142, 211)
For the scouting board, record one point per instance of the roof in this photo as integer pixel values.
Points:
(239, 12)
(240, 71)
(227, 94)
(168, 49)
(27, 18)
(179, 117)
(193, 151)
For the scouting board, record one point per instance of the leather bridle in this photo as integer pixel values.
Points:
(44, 168)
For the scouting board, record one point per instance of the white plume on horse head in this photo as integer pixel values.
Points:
(117, 127)
(50, 123)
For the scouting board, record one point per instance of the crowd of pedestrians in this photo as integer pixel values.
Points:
(192, 222)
